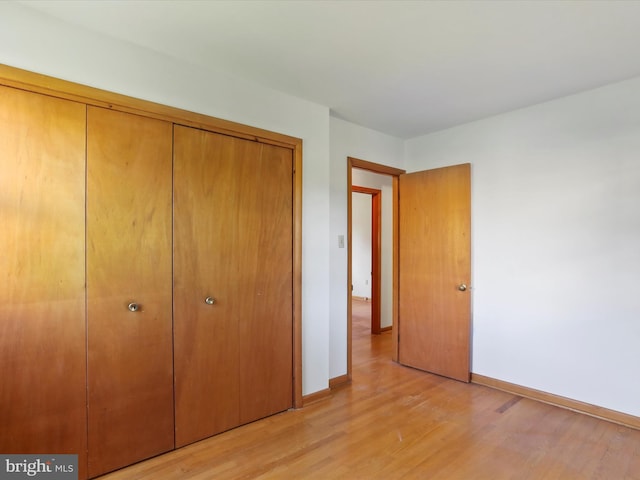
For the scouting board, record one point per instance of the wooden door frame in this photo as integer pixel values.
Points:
(395, 174)
(376, 253)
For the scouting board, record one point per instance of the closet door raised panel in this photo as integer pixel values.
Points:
(42, 307)
(233, 243)
(129, 275)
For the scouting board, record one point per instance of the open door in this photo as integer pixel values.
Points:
(435, 271)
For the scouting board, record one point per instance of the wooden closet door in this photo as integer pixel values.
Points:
(42, 306)
(130, 367)
(264, 255)
(233, 243)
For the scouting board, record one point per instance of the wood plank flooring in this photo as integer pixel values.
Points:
(394, 422)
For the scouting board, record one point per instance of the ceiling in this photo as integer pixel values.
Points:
(405, 68)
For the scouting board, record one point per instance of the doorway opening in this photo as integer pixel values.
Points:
(386, 282)
(366, 251)
(436, 205)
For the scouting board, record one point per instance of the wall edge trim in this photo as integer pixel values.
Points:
(601, 413)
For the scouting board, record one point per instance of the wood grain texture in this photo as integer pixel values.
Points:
(374, 167)
(559, 401)
(395, 422)
(339, 382)
(297, 276)
(233, 241)
(265, 232)
(435, 258)
(42, 306)
(130, 364)
(58, 88)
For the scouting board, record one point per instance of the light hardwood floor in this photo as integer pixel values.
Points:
(394, 422)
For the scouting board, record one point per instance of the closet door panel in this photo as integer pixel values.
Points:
(129, 281)
(263, 221)
(233, 242)
(206, 336)
(42, 306)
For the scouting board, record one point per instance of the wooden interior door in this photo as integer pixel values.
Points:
(42, 306)
(233, 246)
(435, 271)
(129, 261)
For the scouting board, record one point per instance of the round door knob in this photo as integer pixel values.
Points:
(209, 300)
(462, 287)
(133, 307)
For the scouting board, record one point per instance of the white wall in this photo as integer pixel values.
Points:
(556, 236)
(349, 140)
(361, 244)
(42, 44)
